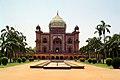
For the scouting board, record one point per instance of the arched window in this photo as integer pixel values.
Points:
(69, 50)
(44, 40)
(69, 41)
(57, 41)
(44, 49)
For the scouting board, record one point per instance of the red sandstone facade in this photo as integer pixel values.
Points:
(57, 44)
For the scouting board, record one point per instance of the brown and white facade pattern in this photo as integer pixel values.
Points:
(57, 44)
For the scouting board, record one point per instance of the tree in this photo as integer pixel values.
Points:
(30, 49)
(12, 42)
(101, 29)
(93, 46)
(114, 45)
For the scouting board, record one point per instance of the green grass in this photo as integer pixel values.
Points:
(14, 64)
(97, 64)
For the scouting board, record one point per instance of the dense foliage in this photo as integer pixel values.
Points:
(4, 60)
(19, 60)
(116, 63)
(11, 42)
(82, 59)
(23, 59)
(89, 60)
(109, 61)
(94, 60)
(103, 46)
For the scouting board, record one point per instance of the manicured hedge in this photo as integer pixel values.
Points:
(82, 59)
(4, 60)
(116, 63)
(94, 60)
(109, 61)
(19, 60)
(23, 59)
(89, 60)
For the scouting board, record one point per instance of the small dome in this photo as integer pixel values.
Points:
(76, 27)
(57, 22)
(38, 27)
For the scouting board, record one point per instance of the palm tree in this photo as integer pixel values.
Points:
(115, 45)
(101, 29)
(93, 46)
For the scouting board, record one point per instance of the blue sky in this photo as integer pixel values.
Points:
(25, 15)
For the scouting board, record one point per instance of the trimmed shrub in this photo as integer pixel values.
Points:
(116, 63)
(109, 61)
(82, 59)
(31, 59)
(0, 61)
(4, 60)
(89, 60)
(94, 60)
(19, 60)
(23, 59)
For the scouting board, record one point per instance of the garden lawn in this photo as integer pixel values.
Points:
(24, 72)
(14, 64)
(98, 64)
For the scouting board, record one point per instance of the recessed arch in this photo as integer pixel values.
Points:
(47, 57)
(43, 57)
(57, 57)
(71, 58)
(39, 57)
(44, 49)
(61, 57)
(57, 45)
(52, 57)
(75, 57)
(44, 40)
(69, 41)
(69, 49)
(34, 57)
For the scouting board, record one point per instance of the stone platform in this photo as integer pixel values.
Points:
(58, 64)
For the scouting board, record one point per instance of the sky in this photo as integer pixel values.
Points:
(25, 15)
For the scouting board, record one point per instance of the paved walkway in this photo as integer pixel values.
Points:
(23, 72)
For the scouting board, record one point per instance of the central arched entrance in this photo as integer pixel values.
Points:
(57, 45)
(57, 50)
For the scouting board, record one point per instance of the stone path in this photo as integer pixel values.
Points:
(23, 72)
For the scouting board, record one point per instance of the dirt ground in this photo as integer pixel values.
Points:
(23, 72)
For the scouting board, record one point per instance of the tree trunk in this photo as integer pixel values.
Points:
(96, 56)
(117, 53)
(103, 59)
(10, 58)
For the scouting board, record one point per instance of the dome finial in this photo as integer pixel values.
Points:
(57, 12)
